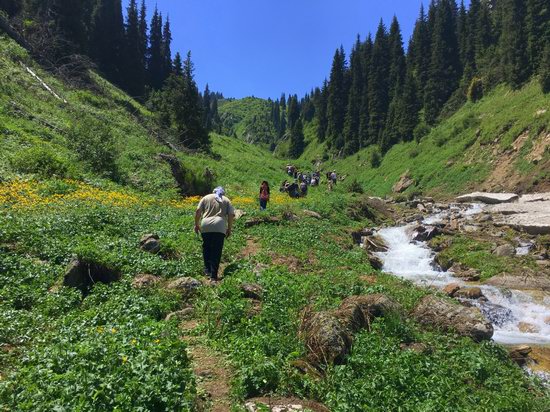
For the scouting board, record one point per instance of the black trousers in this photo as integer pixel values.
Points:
(212, 246)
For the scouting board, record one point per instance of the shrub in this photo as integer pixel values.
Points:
(375, 158)
(355, 187)
(475, 90)
(420, 131)
(42, 161)
(95, 145)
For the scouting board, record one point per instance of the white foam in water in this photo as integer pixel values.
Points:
(506, 310)
(408, 259)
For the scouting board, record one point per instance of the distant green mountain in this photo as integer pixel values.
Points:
(248, 119)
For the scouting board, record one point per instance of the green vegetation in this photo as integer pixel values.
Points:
(248, 119)
(83, 179)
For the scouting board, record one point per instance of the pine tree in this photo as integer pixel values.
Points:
(336, 105)
(282, 110)
(296, 140)
(178, 65)
(378, 85)
(276, 117)
(352, 119)
(293, 111)
(70, 24)
(514, 59)
(11, 7)
(364, 114)
(397, 59)
(538, 31)
(409, 108)
(445, 70)
(108, 39)
(419, 51)
(216, 121)
(156, 61)
(545, 69)
(135, 64)
(321, 111)
(206, 108)
(143, 37)
(166, 49)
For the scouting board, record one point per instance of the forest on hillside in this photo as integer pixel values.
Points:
(69, 37)
(383, 94)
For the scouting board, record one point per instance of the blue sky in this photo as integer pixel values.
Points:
(266, 47)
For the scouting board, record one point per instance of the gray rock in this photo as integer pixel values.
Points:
(145, 281)
(505, 250)
(488, 198)
(183, 314)
(313, 214)
(151, 246)
(185, 285)
(252, 291)
(531, 281)
(439, 313)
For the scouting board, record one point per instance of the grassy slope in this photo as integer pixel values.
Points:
(460, 154)
(113, 349)
(248, 119)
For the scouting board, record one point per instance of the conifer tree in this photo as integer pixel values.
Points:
(293, 110)
(178, 65)
(397, 59)
(143, 36)
(276, 117)
(513, 53)
(378, 85)
(134, 58)
(321, 111)
(336, 105)
(282, 110)
(156, 61)
(538, 31)
(352, 119)
(206, 108)
(190, 116)
(444, 73)
(69, 18)
(216, 121)
(545, 69)
(166, 49)
(419, 51)
(364, 114)
(296, 140)
(108, 39)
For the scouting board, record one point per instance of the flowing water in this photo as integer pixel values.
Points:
(517, 316)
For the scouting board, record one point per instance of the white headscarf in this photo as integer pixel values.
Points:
(219, 192)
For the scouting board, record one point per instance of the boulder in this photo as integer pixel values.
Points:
(375, 244)
(468, 293)
(259, 221)
(465, 273)
(439, 313)
(488, 198)
(505, 250)
(520, 354)
(185, 285)
(451, 289)
(417, 347)
(150, 243)
(375, 305)
(83, 275)
(239, 213)
(325, 337)
(359, 235)
(145, 281)
(252, 291)
(424, 234)
(403, 183)
(526, 327)
(375, 262)
(529, 281)
(181, 315)
(351, 317)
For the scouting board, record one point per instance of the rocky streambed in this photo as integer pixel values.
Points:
(516, 304)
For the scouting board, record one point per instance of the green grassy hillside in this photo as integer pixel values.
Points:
(249, 119)
(499, 143)
(81, 179)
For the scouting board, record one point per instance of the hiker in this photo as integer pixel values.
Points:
(303, 188)
(264, 195)
(292, 190)
(333, 177)
(217, 214)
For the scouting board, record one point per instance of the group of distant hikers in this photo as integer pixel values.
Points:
(215, 214)
(302, 181)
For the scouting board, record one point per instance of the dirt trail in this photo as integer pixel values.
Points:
(211, 369)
